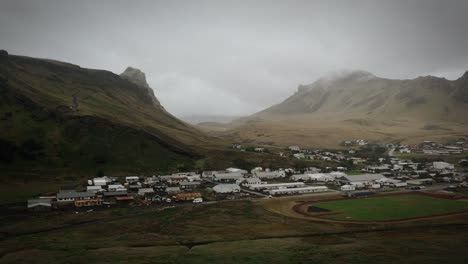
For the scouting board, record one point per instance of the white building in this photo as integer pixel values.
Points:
(132, 179)
(116, 188)
(440, 165)
(294, 148)
(100, 181)
(269, 174)
(347, 188)
(143, 191)
(236, 170)
(299, 155)
(227, 176)
(272, 186)
(94, 189)
(227, 188)
(250, 181)
(70, 196)
(310, 189)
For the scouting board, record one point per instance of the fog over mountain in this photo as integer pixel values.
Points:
(239, 57)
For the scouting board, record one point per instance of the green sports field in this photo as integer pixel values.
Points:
(391, 207)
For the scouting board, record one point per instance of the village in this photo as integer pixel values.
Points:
(350, 173)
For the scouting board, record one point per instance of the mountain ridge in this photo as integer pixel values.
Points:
(48, 104)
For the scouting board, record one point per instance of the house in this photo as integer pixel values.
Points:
(41, 204)
(360, 180)
(71, 196)
(227, 188)
(300, 177)
(258, 149)
(192, 178)
(116, 188)
(94, 189)
(317, 177)
(405, 150)
(100, 181)
(132, 179)
(173, 190)
(312, 170)
(227, 176)
(347, 188)
(236, 170)
(144, 191)
(294, 148)
(189, 185)
(115, 194)
(420, 181)
(440, 165)
(399, 184)
(134, 186)
(209, 174)
(299, 155)
(187, 196)
(269, 174)
(272, 186)
(322, 177)
(309, 189)
(172, 179)
(249, 181)
(88, 202)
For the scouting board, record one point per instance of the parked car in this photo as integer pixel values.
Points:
(198, 200)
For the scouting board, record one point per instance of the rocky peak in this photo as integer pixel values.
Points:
(135, 76)
(138, 77)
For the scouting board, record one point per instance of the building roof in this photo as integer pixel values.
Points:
(39, 202)
(190, 183)
(118, 193)
(172, 189)
(300, 189)
(226, 188)
(252, 180)
(277, 185)
(124, 198)
(363, 177)
(142, 191)
(73, 194)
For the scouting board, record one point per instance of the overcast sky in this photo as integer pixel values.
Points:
(238, 57)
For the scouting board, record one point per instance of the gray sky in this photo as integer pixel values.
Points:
(238, 57)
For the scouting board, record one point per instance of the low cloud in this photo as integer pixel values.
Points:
(234, 57)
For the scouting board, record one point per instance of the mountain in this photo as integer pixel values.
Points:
(139, 78)
(59, 117)
(360, 94)
(360, 104)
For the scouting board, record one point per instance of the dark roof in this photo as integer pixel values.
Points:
(118, 193)
(74, 194)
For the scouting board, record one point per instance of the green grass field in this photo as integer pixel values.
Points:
(391, 207)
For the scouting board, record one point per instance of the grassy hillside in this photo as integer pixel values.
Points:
(61, 118)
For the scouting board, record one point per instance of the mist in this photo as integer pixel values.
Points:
(239, 57)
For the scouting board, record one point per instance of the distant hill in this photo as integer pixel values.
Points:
(360, 94)
(197, 119)
(56, 116)
(359, 103)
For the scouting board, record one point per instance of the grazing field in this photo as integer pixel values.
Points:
(390, 208)
(227, 232)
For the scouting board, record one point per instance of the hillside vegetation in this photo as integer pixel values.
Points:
(59, 117)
